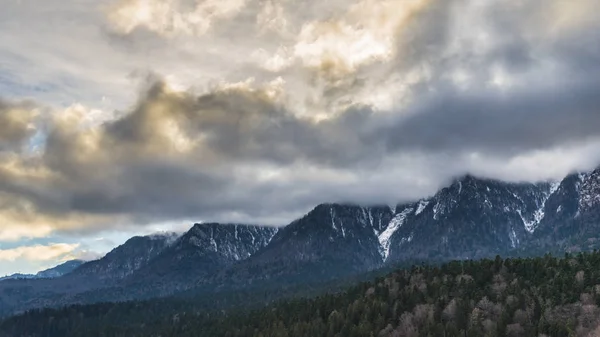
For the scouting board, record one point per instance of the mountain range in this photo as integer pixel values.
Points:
(471, 218)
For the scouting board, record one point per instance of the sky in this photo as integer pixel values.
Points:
(128, 117)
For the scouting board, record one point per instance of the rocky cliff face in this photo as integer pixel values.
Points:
(201, 252)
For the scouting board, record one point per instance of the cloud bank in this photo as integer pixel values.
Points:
(255, 111)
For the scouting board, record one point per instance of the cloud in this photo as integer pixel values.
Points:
(173, 146)
(32, 258)
(60, 251)
(261, 109)
(16, 124)
(541, 118)
(171, 17)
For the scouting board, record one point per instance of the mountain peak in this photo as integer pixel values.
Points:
(215, 235)
(202, 226)
(477, 181)
(204, 249)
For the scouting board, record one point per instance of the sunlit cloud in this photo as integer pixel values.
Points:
(60, 251)
(171, 17)
(366, 33)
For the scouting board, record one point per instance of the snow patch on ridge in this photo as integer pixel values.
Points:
(514, 240)
(530, 226)
(332, 219)
(333, 225)
(436, 210)
(213, 242)
(408, 239)
(589, 190)
(554, 187)
(422, 205)
(538, 215)
(386, 235)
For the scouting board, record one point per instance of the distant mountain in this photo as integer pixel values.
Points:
(93, 275)
(17, 276)
(57, 271)
(151, 266)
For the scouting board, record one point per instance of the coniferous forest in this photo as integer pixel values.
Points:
(543, 296)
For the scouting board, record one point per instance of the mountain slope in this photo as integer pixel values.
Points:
(472, 218)
(125, 259)
(192, 258)
(201, 252)
(330, 241)
(469, 219)
(572, 214)
(60, 270)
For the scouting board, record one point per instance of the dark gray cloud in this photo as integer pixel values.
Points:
(132, 166)
(506, 125)
(511, 90)
(552, 98)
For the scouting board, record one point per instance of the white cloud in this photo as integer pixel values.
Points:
(172, 17)
(61, 251)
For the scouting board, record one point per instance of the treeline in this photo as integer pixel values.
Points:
(545, 296)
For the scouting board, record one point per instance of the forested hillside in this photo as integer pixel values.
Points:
(544, 296)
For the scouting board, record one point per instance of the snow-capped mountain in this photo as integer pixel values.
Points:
(572, 213)
(332, 240)
(205, 249)
(589, 191)
(471, 218)
(231, 242)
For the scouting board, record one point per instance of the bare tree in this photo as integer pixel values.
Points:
(407, 328)
(515, 330)
(449, 312)
(580, 277)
